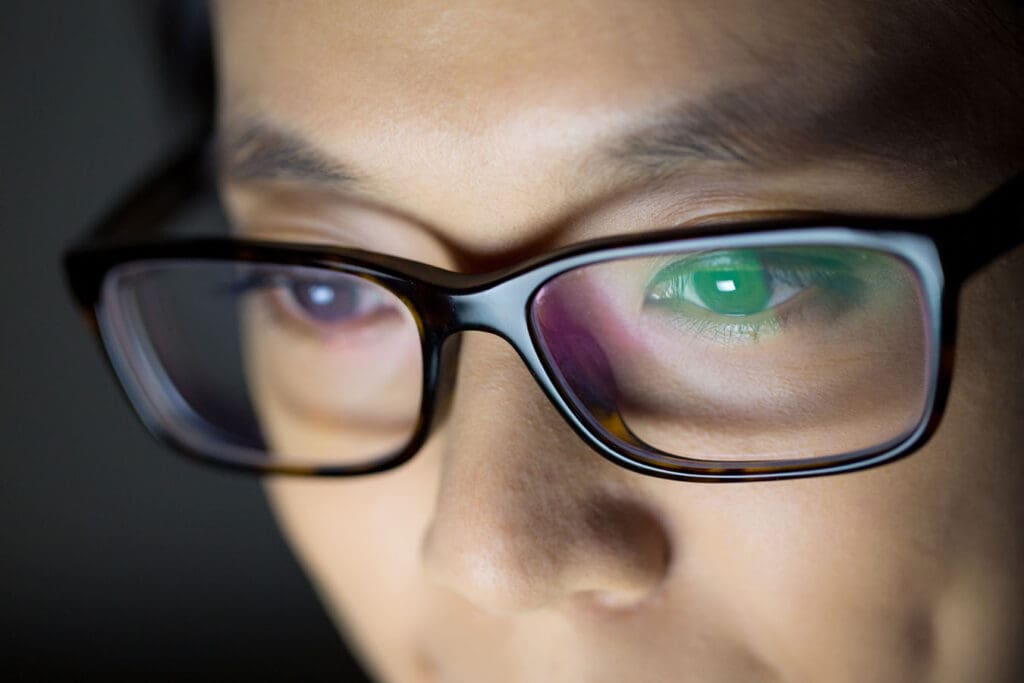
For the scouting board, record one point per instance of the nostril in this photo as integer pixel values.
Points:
(630, 551)
(608, 553)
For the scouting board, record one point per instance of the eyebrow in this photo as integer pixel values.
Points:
(761, 126)
(757, 126)
(254, 149)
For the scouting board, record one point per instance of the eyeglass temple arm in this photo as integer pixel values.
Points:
(146, 208)
(975, 238)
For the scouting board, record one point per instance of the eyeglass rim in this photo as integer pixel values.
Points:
(934, 247)
(456, 307)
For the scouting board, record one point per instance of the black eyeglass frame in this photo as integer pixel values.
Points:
(942, 251)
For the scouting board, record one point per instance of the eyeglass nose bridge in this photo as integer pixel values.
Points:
(501, 308)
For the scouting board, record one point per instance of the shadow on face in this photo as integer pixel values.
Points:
(473, 135)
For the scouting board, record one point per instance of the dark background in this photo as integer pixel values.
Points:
(117, 557)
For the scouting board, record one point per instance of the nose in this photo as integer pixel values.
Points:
(526, 515)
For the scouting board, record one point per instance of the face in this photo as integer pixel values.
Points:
(474, 135)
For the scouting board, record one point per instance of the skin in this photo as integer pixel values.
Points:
(507, 550)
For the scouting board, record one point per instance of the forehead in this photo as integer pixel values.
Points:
(436, 102)
(469, 66)
(471, 42)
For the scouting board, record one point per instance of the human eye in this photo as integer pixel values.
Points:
(336, 351)
(743, 295)
(323, 303)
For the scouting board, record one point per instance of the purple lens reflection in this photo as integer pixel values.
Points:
(576, 355)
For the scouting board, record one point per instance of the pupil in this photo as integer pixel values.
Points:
(328, 303)
(321, 294)
(726, 285)
(733, 283)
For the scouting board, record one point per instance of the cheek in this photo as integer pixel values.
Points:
(827, 575)
(875, 572)
(359, 542)
(332, 401)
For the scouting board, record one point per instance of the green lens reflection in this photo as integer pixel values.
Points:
(732, 282)
(743, 353)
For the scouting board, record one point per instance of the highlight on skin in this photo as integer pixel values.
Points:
(477, 135)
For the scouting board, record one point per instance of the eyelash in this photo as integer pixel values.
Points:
(286, 310)
(837, 287)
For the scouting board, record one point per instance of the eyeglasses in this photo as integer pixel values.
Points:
(739, 352)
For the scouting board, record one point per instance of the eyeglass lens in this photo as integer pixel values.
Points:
(748, 354)
(268, 364)
(742, 354)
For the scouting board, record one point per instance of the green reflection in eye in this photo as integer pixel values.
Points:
(732, 282)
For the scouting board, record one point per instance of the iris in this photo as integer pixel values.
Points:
(731, 282)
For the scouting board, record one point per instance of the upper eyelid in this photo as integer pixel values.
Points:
(669, 260)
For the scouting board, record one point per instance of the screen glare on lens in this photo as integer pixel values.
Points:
(743, 354)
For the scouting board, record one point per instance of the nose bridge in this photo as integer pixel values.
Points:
(524, 515)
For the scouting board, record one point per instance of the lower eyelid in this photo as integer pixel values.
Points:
(284, 310)
(376, 311)
(811, 303)
(282, 307)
